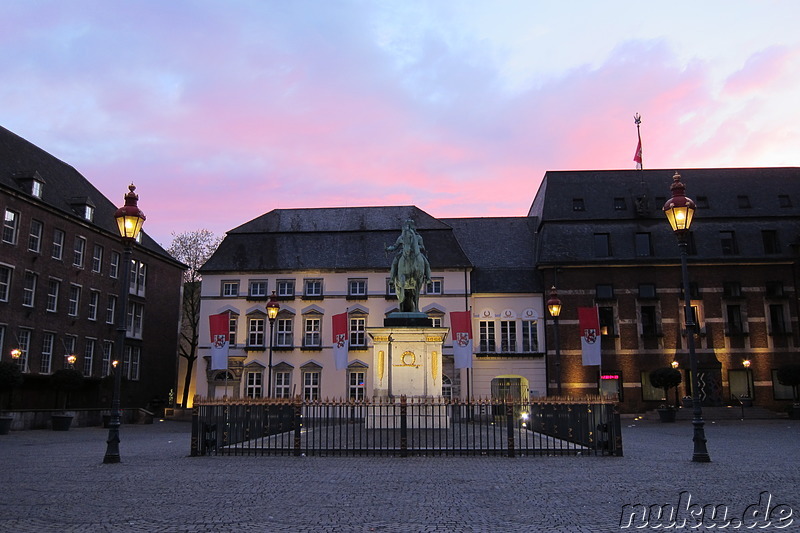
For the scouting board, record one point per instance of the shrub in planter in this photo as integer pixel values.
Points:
(10, 377)
(665, 378)
(65, 380)
(789, 375)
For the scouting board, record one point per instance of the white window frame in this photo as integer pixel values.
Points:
(35, 236)
(111, 309)
(254, 387)
(135, 322)
(94, 302)
(58, 244)
(31, 279)
(11, 226)
(113, 266)
(97, 258)
(508, 336)
(78, 251)
(283, 382)
(6, 274)
(108, 349)
(356, 384)
(312, 288)
(255, 331)
(46, 363)
(285, 288)
(357, 287)
(311, 384)
(530, 336)
(487, 339)
(88, 357)
(230, 289)
(258, 288)
(24, 347)
(74, 300)
(434, 286)
(53, 290)
(357, 327)
(312, 332)
(284, 332)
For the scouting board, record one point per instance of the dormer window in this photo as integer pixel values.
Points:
(83, 207)
(37, 187)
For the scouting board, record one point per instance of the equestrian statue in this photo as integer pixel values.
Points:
(410, 268)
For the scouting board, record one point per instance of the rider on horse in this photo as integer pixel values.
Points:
(410, 268)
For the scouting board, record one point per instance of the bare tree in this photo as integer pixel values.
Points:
(193, 248)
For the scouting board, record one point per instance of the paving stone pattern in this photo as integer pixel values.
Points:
(55, 481)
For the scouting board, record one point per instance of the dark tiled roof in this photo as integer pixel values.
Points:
(345, 238)
(623, 203)
(502, 252)
(64, 187)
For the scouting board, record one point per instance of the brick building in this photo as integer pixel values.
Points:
(60, 274)
(604, 241)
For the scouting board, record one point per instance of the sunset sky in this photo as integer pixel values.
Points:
(222, 111)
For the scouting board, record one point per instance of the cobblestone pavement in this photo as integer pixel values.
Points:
(55, 481)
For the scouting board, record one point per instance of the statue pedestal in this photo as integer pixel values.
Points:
(407, 361)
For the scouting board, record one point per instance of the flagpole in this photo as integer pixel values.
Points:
(637, 119)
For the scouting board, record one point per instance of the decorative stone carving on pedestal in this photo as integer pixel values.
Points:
(407, 361)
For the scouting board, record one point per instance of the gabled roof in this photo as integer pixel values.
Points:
(624, 203)
(340, 238)
(65, 189)
(502, 251)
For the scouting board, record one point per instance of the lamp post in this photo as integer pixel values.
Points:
(554, 306)
(129, 222)
(71, 358)
(272, 312)
(746, 365)
(680, 211)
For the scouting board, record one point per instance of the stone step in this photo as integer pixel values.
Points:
(724, 413)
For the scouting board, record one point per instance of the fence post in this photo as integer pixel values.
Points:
(194, 452)
(298, 422)
(617, 433)
(510, 425)
(403, 427)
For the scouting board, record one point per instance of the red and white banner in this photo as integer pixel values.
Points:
(590, 335)
(341, 343)
(461, 327)
(220, 328)
(638, 155)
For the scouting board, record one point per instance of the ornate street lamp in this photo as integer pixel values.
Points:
(554, 306)
(71, 358)
(129, 221)
(746, 365)
(680, 212)
(272, 312)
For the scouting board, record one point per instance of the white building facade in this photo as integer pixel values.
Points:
(323, 262)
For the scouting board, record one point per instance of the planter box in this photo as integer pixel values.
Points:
(666, 415)
(5, 424)
(61, 422)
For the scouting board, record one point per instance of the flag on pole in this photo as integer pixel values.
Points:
(637, 119)
(461, 326)
(340, 341)
(219, 326)
(590, 335)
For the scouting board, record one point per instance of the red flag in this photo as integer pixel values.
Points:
(590, 335)
(461, 327)
(219, 325)
(638, 155)
(340, 341)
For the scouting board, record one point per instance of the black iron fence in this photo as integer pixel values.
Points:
(405, 427)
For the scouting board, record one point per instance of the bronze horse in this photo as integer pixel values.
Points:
(411, 271)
